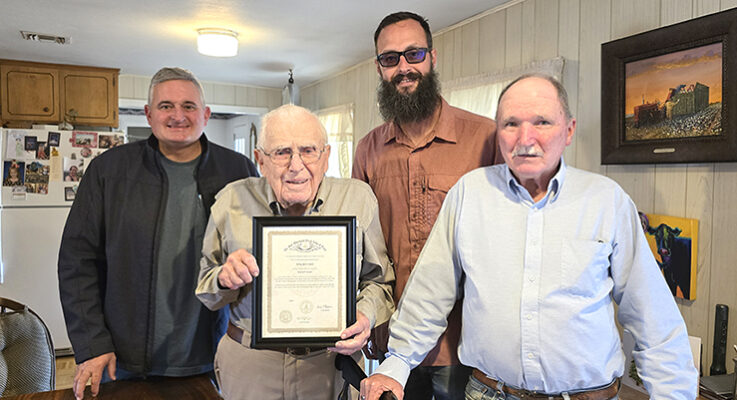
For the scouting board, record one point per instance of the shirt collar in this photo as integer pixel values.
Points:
(554, 186)
(443, 129)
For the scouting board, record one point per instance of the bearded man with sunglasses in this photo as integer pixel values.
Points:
(410, 162)
(293, 156)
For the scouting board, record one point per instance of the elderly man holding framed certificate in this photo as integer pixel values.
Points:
(301, 261)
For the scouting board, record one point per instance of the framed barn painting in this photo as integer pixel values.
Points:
(669, 95)
(674, 242)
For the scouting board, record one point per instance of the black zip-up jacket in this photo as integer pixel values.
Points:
(110, 244)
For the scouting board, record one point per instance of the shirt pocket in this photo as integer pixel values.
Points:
(584, 265)
(437, 188)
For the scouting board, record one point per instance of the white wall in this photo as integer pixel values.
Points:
(135, 87)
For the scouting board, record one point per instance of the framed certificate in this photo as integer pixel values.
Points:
(305, 294)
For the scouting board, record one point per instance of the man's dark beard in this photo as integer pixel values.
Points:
(412, 107)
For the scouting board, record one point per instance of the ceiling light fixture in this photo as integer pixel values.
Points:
(217, 42)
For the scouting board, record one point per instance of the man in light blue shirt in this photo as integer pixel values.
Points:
(540, 252)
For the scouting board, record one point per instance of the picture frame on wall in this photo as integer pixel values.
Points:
(668, 95)
(674, 242)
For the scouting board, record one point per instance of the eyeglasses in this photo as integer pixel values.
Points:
(413, 56)
(283, 156)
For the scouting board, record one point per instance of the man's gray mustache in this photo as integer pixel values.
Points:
(530, 151)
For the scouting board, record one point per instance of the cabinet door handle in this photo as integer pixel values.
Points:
(46, 109)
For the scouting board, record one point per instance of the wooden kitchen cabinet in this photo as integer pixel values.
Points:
(36, 92)
(90, 94)
(29, 93)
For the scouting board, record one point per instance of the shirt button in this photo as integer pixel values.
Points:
(530, 356)
(529, 317)
(532, 279)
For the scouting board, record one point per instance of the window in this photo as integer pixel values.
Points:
(338, 122)
(480, 99)
(479, 94)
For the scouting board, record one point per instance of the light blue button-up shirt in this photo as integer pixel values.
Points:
(539, 281)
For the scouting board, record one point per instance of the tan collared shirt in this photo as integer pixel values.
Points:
(230, 228)
(410, 183)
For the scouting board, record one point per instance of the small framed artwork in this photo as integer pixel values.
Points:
(669, 95)
(69, 193)
(54, 139)
(30, 143)
(84, 139)
(674, 242)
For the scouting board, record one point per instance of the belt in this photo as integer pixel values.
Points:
(604, 393)
(236, 334)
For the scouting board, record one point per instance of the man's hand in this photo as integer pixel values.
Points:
(375, 385)
(354, 337)
(93, 369)
(239, 269)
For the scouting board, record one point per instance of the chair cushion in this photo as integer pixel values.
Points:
(26, 354)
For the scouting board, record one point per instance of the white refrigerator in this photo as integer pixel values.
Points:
(41, 171)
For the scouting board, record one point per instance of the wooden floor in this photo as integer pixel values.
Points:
(64, 372)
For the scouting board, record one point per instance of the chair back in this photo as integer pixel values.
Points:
(27, 363)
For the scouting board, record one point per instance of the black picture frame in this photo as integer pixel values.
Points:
(54, 138)
(30, 143)
(721, 146)
(70, 192)
(345, 224)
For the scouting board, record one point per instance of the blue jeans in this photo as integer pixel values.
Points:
(476, 390)
(444, 383)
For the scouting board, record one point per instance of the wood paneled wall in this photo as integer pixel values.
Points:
(136, 87)
(530, 30)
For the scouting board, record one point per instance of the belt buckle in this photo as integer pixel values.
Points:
(298, 351)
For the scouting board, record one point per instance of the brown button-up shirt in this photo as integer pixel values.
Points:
(410, 183)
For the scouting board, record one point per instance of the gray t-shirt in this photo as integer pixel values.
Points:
(182, 346)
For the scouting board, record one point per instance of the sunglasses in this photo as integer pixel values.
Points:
(412, 56)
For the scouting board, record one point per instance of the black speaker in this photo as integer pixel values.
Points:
(720, 340)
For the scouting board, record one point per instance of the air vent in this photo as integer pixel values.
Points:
(45, 38)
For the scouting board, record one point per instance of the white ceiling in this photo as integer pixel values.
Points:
(315, 38)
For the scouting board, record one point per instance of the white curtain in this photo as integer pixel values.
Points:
(338, 122)
(479, 94)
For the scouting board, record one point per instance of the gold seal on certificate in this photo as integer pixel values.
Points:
(305, 294)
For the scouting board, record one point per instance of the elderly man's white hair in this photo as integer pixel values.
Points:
(286, 111)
